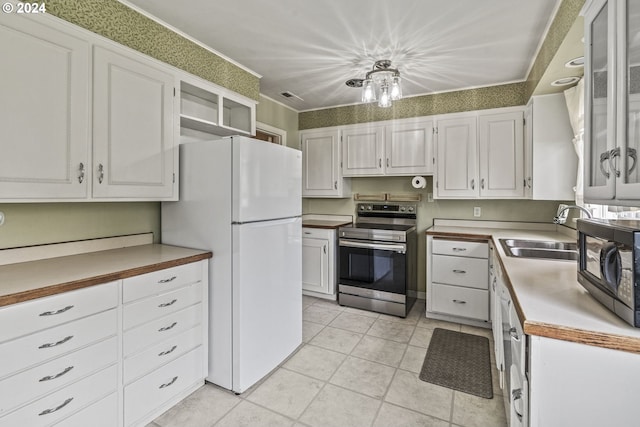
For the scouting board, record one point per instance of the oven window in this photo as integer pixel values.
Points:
(593, 246)
(375, 269)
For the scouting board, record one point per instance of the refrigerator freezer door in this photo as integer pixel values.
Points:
(267, 297)
(267, 181)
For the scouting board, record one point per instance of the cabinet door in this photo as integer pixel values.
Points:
(599, 179)
(409, 149)
(132, 128)
(363, 151)
(628, 120)
(44, 113)
(457, 172)
(501, 145)
(315, 265)
(321, 175)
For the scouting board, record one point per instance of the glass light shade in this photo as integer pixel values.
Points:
(396, 89)
(385, 96)
(368, 91)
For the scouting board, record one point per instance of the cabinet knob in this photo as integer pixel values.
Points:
(473, 184)
(482, 183)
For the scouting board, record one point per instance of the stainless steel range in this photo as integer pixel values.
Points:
(377, 259)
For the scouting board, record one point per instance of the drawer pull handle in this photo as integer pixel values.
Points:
(307, 232)
(170, 279)
(516, 395)
(459, 249)
(514, 334)
(164, 353)
(169, 383)
(54, 344)
(167, 304)
(50, 411)
(459, 271)
(53, 377)
(53, 313)
(166, 328)
(459, 301)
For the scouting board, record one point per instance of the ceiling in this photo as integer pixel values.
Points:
(310, 48)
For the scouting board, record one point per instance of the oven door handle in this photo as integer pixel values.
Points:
(400, 248)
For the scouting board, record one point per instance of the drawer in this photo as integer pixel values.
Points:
(50, 343)
(64, 402)
(318, 233)
(457, 301)
(161, 353)
(43, 379)
(103, 413)
(460, 248)
(32, 316)
(154, 307)
(158, 330)
(469, 272)
(160, 281)
(152, 391)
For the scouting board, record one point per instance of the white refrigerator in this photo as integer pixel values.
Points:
(241, 199)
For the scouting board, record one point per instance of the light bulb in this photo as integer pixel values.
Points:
(396, 89)
(368, 91)
(385, 98)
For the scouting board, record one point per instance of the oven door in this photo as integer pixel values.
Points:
(373, 265)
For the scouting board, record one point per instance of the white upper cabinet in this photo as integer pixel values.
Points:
(612, 101)
(132, 128)
(401, 147)
(44, 113)
(321, 172)
(409, 148)
(551, 162)
(457, 158)
(501, 143)
(363, 150)
(480, 156)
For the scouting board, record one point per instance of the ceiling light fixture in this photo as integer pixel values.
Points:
(575, 62)
(382, 83)
(565, 81)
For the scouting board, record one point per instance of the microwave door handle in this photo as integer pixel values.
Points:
(611, 265)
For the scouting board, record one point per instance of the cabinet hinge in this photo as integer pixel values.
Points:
(174, 91)
(435, 131)
(340, 165)
(524, 121)
(436, 184)
(174, 178)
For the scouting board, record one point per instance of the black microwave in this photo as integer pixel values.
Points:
(609, 264)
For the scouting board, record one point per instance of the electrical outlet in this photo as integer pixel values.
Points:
(477, 211)
(429, 197)
(1, 218)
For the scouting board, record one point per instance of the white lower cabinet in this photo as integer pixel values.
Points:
(319, 262)
(160, 386)
(85, 358)
(458, 281)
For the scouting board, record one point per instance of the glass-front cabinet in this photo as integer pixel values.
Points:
(612, 116)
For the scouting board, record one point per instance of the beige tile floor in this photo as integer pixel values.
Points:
(355, 368)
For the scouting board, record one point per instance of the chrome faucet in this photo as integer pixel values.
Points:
(558, 219)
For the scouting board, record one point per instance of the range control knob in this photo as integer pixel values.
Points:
(410, 208)
(369, 207)
(361, 207)
(402, 208)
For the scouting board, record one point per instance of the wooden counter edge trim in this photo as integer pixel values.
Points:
(98, 280)
(596, 339)
(327, 226)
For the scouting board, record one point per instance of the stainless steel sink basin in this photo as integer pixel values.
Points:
(541, 244)
(540, 249)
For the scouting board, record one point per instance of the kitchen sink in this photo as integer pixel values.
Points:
(540, 249)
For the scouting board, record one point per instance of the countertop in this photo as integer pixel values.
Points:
(34, 279)
(325, 220)
(321, 223)
(548, 298)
